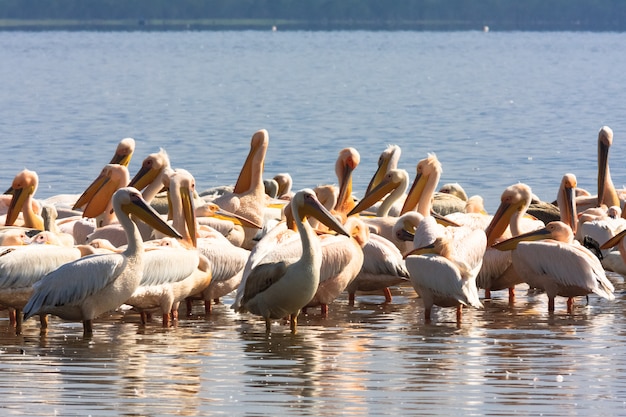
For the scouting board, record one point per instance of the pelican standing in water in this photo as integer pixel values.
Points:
(84, 289)
(443, 266)
(283, 287)
(558, 264)
(509, 220)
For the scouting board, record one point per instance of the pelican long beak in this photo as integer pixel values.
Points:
(20, 196)
(414, 194)
(90, 191)
(142, 210)
(421, 251)
(444, 221)
(237, 219)
(500, 221)
(244, 182)
(379, 175)
(314, 208)
(614, 241)
(568, 212)
(604, 139)
(384, 187)
(143, 177)
(511, 244)
(345, 192)
(121, 158)
(186, 195)
(100, 197)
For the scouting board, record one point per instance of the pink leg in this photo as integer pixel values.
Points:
(387, 293)
(324, 308)
(511, 295)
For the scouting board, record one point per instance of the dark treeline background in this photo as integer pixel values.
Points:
(322, 14)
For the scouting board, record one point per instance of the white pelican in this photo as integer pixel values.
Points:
(24, 265)
(346, 163)
(248, 198)
(98, 205)
(443, 266)
(607, 194)
(123, 152)
(174, 270)
(387, 161)
(23, 189)
(90, 286)
(558, 264)
(393, 185)
(285, 182)
(509, 220)
(383, 267)
(342, 261)
(150, 178)
(282, 288)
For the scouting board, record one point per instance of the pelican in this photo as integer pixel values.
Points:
(23, 189)
(509, 220)
(282, 288)
(173, 271)
(607, 195)
(558, 264)
(123, 152)
(387, 161)
(98, 205)
(393, 185)
(151, 177)
(443, 267)
(342, 261)
(90, 286)
(285, 183)
(248, 198)
(22, 266)
(383, 267)
(346, 163)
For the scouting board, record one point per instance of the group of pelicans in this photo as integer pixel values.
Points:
(153, 242)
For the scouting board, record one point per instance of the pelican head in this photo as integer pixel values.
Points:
(387, 161)
(514, 199)
(428, 173)
(124, 152)
(605, 140)
(151, 168)
(23, 188)
(129, 201)
(305, 203)
(394, 179)
(98, 195)
(347, 162)
(566, 200)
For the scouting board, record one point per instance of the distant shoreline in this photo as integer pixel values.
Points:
(272, 24)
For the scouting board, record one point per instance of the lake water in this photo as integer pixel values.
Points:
(496, 108)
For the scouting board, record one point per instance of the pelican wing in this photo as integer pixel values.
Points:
(439, 276)
(336, 255)
(381, 257)
(261, 278)
(22, 266)
(168, 265)
(74, 281)
(567, 264)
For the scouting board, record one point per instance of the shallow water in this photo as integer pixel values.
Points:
(496, 108)
(373, 358)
